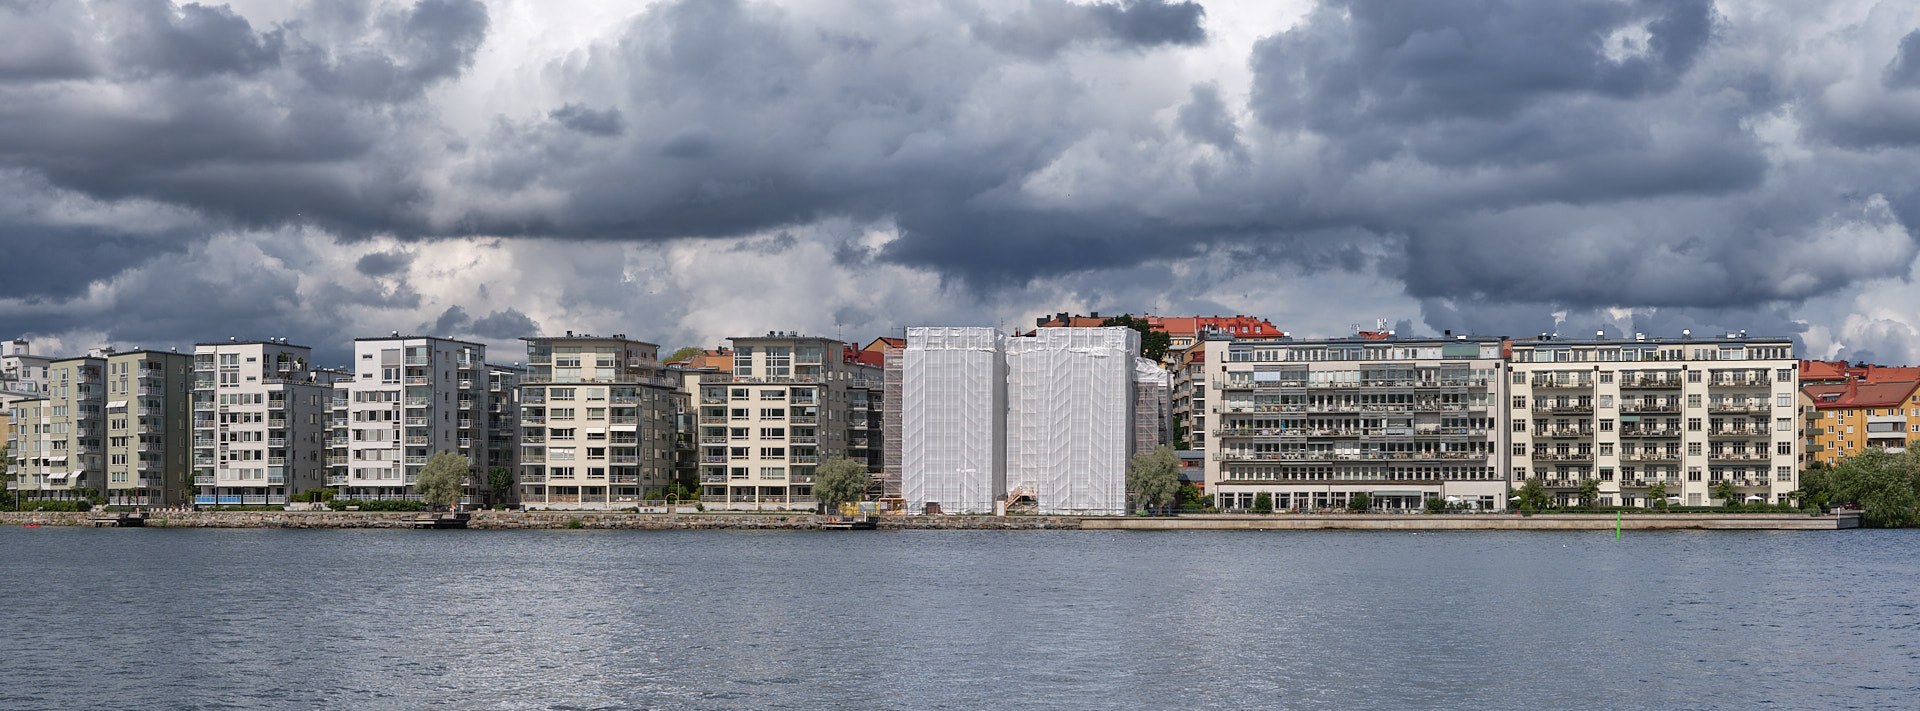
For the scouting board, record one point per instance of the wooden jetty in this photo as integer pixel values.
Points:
(121, 519)
(441, 520)
(854, 523)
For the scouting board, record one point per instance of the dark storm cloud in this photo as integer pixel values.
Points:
(606, 122)
(1048, 26)
(1904, 71)
(379, 264)
(1513, 159)
(50, 262)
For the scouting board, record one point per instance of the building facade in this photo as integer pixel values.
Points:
(61, 440)
(1312, 423)
(260, 422)
(1685, 414)
(597, 419)
(1070, 417)
(408, 398)
(790, 403)
(21, 370)
(149, 428)
(1840, 420)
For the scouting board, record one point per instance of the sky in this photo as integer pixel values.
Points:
(682, 171)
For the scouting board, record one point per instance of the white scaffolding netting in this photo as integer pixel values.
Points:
(1070, 417)
(953, 419)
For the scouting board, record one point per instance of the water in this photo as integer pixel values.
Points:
(212, 619)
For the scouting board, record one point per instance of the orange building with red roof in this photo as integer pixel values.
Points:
(1182, 331)
(1844, 418)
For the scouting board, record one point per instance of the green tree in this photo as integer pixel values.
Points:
(1657, 494)
(441, 479)
(1191, 498)
(684, 353)
(1589, 492)
(1816, 487)
(1533, 495)
(1154, 477)
(1885, 486)
(1263, 503)
(1360, 502)
(499, 485)
(1728, 496)
(1153, 344)
(840, 480)
(1436, 505)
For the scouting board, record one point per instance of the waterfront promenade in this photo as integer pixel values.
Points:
(1219, 522)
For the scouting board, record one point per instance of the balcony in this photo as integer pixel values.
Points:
(1567, 409)
(278, 424)
(1548, 382)
(1563, 456)
(1741, 432)
(337, 480)
(203, 406)
(465, 404)
(1563, 432)
(804, 419)
(1649, 432)
(1729, 407)
(713, 478)
(1650, 457)
(416, 380)
(711, 459)
(533, 419)
(624, 420)
(336, 461)
(1656, 407)
(419, 441)
(413, 460)
(276, 478)
(533, 439)
(276, 461)
(626, 399)
(1739, 456)
(1652, 383)
(276, 441)
(794, 440)
(419, 401)
(203, 366)
(624, 459)
(709, 439)
(205, 481)
(1750, 382)
(804, 459)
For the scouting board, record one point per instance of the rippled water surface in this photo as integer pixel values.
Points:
(207, 619)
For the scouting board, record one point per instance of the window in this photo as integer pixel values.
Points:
(561, 393)
(1606, 425)
(1693, 473)
(560, 472)
(773, 432)
(1521, 426)
(1519, 450)
(738, 432)
(740, 413)
(773, 394)
(773, 452)
(773, 412)
(1606, 449)
(1693, 424)
(737, 473)
(1783, 474)
(561, 413)
(1606, 473)
(596, 452)
(1693, 449)
(1784, 401)
(561, 433)
(773, 472)
(740, 452)
(1519, 378)
(1783, 448)
(1693, 376)
(560, 453)
(1783, 375)
(1783, 424)
(1606, 401)
(1693, 400)
(739, 393)
(1519, 402)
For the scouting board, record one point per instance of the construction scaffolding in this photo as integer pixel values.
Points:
(953, 400)
(1070, 425)
(890, 460)
(1152, 405)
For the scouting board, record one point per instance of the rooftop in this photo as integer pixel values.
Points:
(398, 337)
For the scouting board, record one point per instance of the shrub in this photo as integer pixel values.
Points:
(1263, 503)
(1436, 505)
(575, 523)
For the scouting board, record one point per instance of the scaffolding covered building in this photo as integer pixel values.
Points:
(1070, 424)
(953, 419)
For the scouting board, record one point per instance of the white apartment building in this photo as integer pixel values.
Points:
(21, 371)
(1686, 413)
(60, 442)
(149, 428)
(598, 418)
(953, 421)
(260, 419)
(409, 398)
(1312, 423)
(791, 402)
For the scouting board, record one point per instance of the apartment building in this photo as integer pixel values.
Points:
(1189, 400)
(791, 402)
(21, 371)
(891, 459)
(1686, 413)
(1844, 418)
(1311, 423)
(598, 419)
(260, 422)
(149, 428)
(61, 441)
(409, 398)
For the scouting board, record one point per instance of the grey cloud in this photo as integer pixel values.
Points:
(379, 264)
(605, 122)
(43, 42)
(189, 40)
(503, 325)
(1048, 26)
(452, 321)
(390, 54)
(1205, 119)
(1904, 71)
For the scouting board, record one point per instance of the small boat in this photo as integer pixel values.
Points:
(30, 525)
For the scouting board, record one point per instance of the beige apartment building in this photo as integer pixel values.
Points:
(21, 370)
(790, 403)
(598, 418)
(1686, 413)
(260, 421)
(149, 428)
(60, 441)
(409, 398)
(1312, 423)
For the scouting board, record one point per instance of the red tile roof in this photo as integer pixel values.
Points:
(1890, 393)
(1238, 326)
